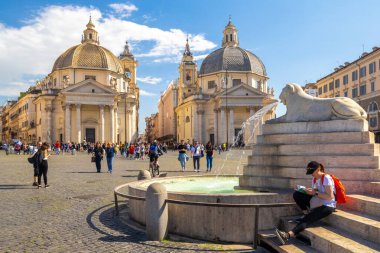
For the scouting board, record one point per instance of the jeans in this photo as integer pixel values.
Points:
(43, 169)
(196, 162)
(316, 214)
(109, 163)
(182, 160)
(209, 162)
(98, 163)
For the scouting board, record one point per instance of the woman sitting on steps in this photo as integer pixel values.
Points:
(316, 203)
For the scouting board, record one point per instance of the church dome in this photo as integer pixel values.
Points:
(90, 56)
(232, 58)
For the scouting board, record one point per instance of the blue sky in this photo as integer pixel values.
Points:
(298, 41)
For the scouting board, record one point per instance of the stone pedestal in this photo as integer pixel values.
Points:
(345, 147)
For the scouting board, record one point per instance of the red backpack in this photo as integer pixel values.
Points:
(340, 192)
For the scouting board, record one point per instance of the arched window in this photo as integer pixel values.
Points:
(187, 119)
(226, 37)
(230, 37)
(373, 107)
(90, 36)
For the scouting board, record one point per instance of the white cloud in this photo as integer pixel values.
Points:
(149, 80)
(123, 10)
(29, 52)
(145, 93)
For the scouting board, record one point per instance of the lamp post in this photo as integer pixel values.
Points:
(226, 107)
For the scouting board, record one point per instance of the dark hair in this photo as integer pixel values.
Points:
(315, 165)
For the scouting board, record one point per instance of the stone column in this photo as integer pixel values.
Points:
(201, 130)
(216, 140)
(79, 129)
(231, 134)
(101, 123)
(112, 129)
(129, 125)
(195, 132)
(116, 124)
(222, 127)
(67, 123)
(49, 129)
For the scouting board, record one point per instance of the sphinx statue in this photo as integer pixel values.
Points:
(301, 107)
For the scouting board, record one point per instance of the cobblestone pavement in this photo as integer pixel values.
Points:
(76, 214)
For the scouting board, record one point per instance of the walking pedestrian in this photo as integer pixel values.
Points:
(43, 165)
(110, 151)
(98, 154)
(196, 155)
(182, 157)
(209, 155)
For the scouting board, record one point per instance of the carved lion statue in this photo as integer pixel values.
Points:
(301, 107)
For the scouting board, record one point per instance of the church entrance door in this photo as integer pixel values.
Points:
(90, 135)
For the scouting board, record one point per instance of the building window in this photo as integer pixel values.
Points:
(354, 75)
(354, 92)
(187, 119)
(211, 84)
(226, 37)
(325, 88)
(337, 83)
(373, 121)
(89, 77)
(345, 79)
(373, 107)
(363, 89)
(319, 90)
(90, 36)
(372, 86)
(230, 37)
(331, 86)
(346, 93)
(372, 67)
(363, 71)
(236, 82)
(55, 81)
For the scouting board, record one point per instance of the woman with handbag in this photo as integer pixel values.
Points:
(98, 156)
(182, 157)
(316, 203)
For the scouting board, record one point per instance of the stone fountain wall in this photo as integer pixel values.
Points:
(345, 147)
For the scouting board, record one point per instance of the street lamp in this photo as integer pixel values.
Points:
(226, 107)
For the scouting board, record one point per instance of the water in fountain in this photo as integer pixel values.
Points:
(252, 122)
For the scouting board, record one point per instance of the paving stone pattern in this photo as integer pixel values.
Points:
(76, 214)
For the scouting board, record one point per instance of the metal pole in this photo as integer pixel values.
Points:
(125, 119)
(226, 109)
(116, 204)
(256, 228)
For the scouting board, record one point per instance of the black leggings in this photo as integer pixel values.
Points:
(43, 169)
(316, 214)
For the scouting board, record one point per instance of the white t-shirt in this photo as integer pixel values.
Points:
(321, 188)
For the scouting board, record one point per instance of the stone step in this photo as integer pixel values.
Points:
(364, 226)
(321, 138)
(327, 161)
(365, 204)
(341, 173)
(317, 127)
(351, 186)
(331, 240)
(269, 240)
(317, 149)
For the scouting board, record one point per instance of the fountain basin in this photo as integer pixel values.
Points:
(227, 224)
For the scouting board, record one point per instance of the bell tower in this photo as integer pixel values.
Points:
(230, 35)
(90, 35)
(129, 64)
(187, 74)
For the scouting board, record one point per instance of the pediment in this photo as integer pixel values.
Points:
(242, 90)
(89, 86)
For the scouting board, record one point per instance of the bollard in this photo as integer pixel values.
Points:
(156, 212)
(144, 174)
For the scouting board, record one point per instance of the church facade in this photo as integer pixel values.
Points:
(215, 101)
(90, 95)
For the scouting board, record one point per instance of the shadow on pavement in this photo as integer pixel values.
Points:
(112, 225)
(15, 186)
